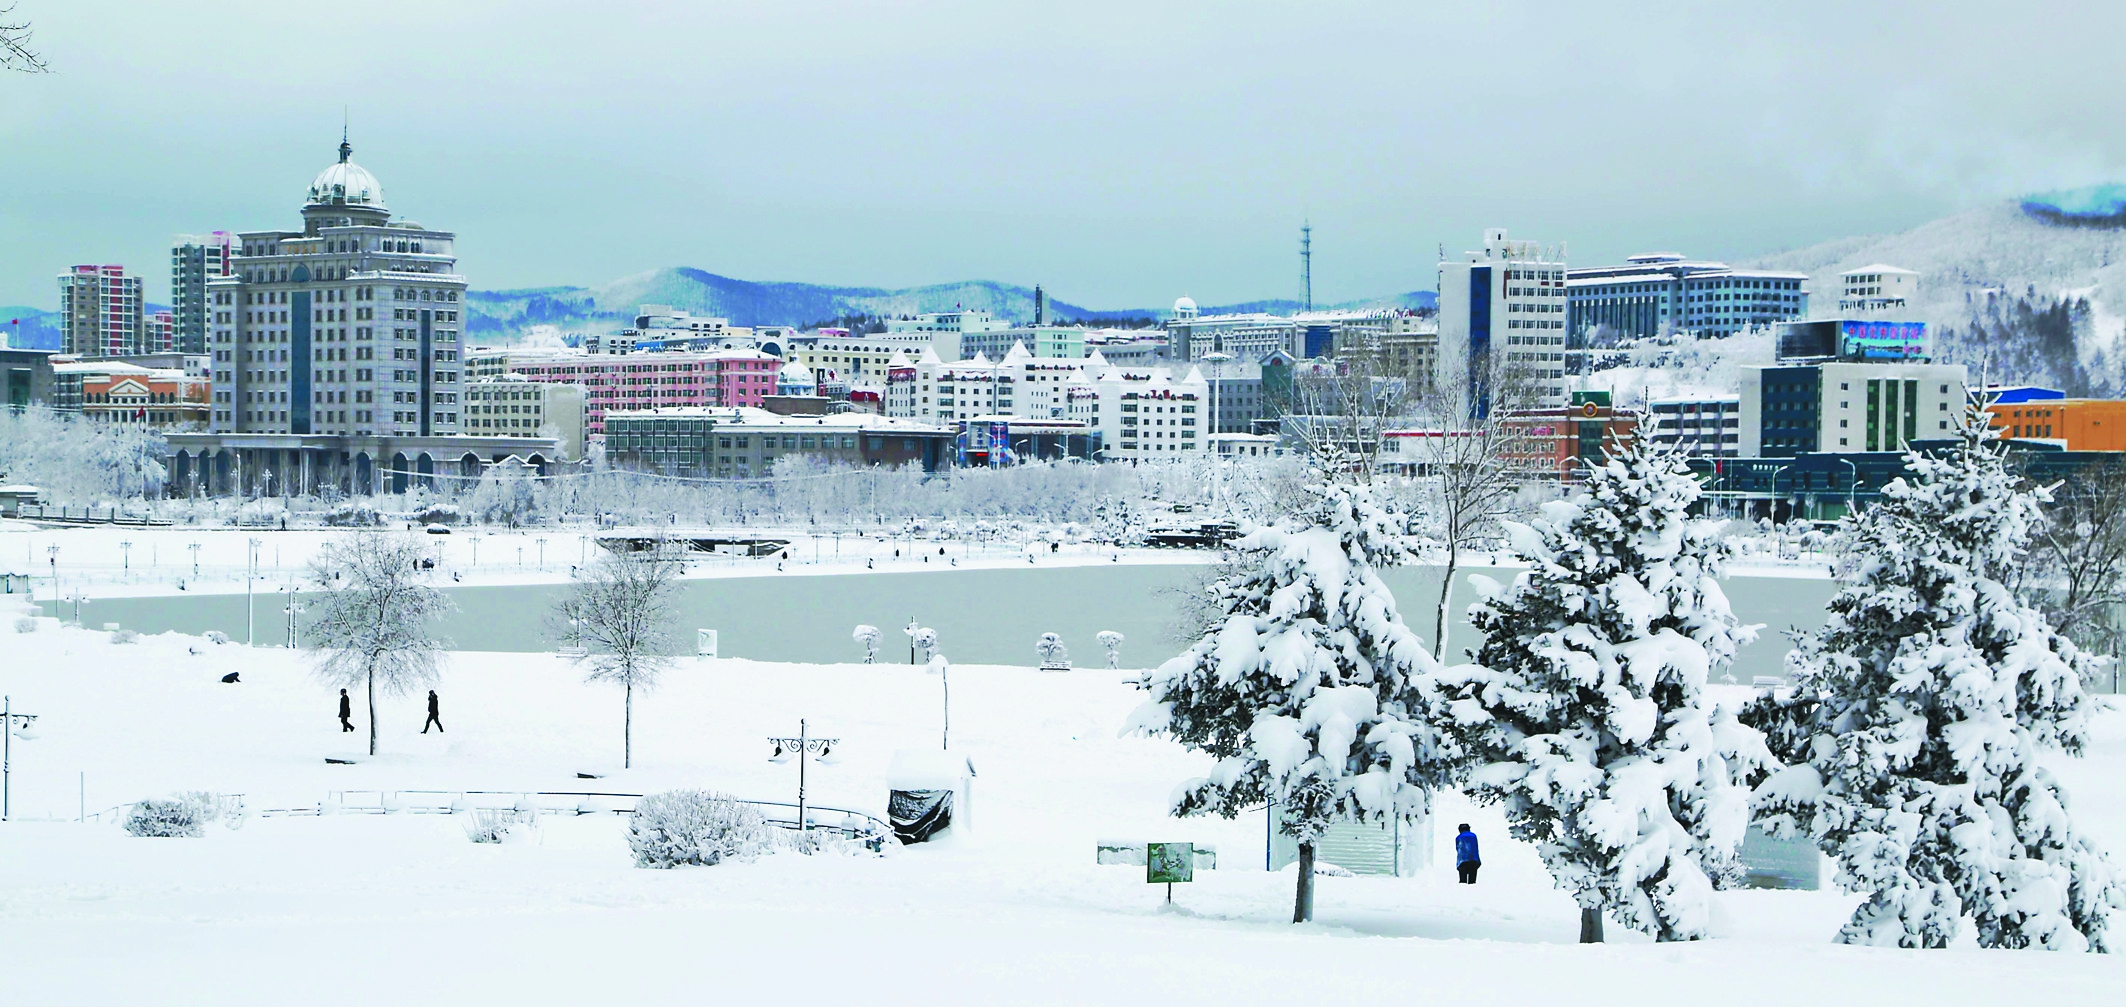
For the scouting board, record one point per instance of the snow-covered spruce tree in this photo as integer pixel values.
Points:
(1303, 691)
(1917, 714)
(1585, 715)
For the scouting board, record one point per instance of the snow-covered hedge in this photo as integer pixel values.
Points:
(125, 636)
(494, 825)
(26, 624)
(436, 514)
(353, 515)
(695, 828)
(173, 817)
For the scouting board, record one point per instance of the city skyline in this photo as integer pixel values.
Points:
(1119, 156)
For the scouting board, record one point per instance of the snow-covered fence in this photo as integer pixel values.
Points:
(857, 824)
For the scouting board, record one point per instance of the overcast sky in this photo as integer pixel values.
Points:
(1120, 153)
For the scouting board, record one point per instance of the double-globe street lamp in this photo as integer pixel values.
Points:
(804, 748)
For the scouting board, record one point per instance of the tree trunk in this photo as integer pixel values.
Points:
(627, 728)
(1590, 925)
(372, 708)
(1303, 904)
(1446, 596)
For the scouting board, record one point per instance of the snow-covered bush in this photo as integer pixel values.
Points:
(215, 636)
(437, 514)
(1052, 652)
(1303, 691)
(166, 818)
(868, 636)
(681, 828)
(924, 638)
(183, 814)
(494, 825)
(1917, 715)
(353, 515)
(1113, 642)
(1586, 715)
(125, 636)
(26, 624)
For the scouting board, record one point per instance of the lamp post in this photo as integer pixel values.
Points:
(293, 609)
(1852, 481)
(805, 748)
(8, 719)
(53, 552)
(125, 550)
(195, 559)
(251, 610)
(542, 551)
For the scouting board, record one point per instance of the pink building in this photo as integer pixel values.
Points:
(615, 382)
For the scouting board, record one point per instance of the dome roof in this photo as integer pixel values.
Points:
(346, 184)
(1184, 304)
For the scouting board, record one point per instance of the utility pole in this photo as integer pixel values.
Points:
(251, 610)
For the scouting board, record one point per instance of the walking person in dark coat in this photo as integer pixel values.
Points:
(433, 716)
(346, 711)
(1465, 859)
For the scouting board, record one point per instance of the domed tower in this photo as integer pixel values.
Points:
(345, 194)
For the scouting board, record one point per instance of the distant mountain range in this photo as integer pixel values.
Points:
(506, 315)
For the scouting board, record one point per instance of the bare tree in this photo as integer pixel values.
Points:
(2075, 571)
(620, 613)
(1471, 453)
(1340, 409)
(15, 51)
(371, 627)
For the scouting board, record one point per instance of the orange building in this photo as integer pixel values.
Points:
(2076, 424)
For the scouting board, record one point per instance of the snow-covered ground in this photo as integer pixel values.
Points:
(402, 908)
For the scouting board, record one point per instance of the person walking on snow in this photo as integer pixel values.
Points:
(346, 711)
(433, 717)
(1465, 859)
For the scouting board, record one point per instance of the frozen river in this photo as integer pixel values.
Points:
(983, 616)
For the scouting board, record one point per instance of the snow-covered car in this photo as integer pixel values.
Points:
(439, 529)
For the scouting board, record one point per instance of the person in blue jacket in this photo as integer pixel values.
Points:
(1465, 858)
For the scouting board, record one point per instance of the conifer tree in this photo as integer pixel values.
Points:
(1304, 691)
(1917, 713)
(1586, 715)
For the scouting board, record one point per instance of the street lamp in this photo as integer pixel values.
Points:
(195, 559)
(1851, 482)
(53, 552)
(804, 748)
(542, 551)
(125, 549)
(292, 610)
(9, 721)
(251, 610)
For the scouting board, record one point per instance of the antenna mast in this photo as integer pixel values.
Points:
(1306, 262)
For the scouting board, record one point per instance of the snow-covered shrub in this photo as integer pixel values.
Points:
(1586, 714)
(436, 514)
(868, 636)
(1303, 690)
(353, 515)
(215, 636)
(1917, 715)
(1052, 652)
(183, 814)
(26, 624)
(694, 828)
(125, 636)
(494, 825)
(1113, 642)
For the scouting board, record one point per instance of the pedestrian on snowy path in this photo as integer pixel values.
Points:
(346, 711)
(1465, 859)
(434, 716)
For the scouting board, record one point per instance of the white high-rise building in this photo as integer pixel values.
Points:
(349, 326)
(1504, 304)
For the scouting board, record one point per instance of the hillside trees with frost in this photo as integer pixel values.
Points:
(1304, 690)
(1917, 715)
(1586, 714)
(75, 461)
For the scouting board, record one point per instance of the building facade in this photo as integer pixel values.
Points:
(1877, 288)
(1704, 427)
(1664, 293)
(2069, 424)
(1846, 406)
(1503, 306)
(195, 259)
(1141, 414)
(349, 326)
(516, 406)
(747, 443)
(101, 312)
(627, 381)
(113, 392)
